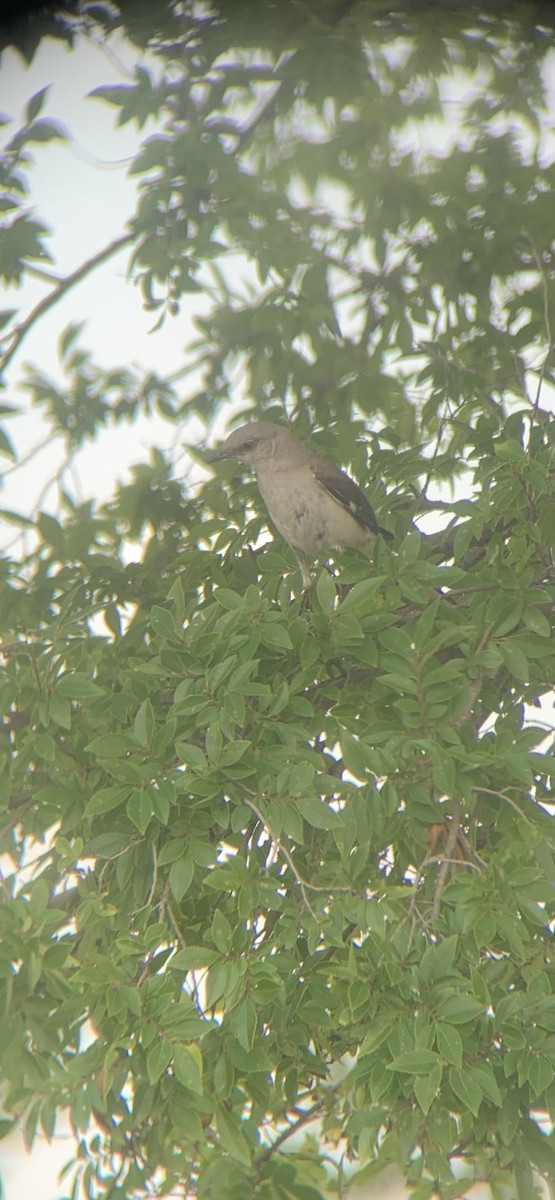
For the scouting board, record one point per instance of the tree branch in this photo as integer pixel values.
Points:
(281, 849)
(58, 292)
(549, 336)
(446, 861)
(309, 1115)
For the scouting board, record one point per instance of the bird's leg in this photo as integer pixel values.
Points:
(305, 573)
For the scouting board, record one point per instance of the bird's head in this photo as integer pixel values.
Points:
(254, 443)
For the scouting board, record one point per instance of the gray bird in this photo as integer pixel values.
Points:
(314, 505)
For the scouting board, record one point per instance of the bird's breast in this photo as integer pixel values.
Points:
(306, 515)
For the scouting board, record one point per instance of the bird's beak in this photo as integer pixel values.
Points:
(215, 455)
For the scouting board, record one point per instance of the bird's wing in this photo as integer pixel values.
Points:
(347, 493)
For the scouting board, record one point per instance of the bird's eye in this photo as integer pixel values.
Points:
(247, 445)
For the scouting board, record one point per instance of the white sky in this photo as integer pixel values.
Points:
(82, 193)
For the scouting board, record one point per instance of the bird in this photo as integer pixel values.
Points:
(314, 505)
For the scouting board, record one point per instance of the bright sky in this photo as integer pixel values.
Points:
(81, 191)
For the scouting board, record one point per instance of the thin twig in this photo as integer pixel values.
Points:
(512, 803)
(303, 1119)
(60, 290)
(475, 587)
(285, 853)
(30, 454)
(55, 479)
(476, 686)
(154, 876)
(280, 848)
(442, 860)
(471, 851)
(546, 320)
(16, 818)
(439, 859)
(176, 928)
(443, 872)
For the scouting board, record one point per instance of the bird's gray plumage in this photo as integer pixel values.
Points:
(314, 504)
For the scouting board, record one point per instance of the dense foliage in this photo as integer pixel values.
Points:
(288, 918)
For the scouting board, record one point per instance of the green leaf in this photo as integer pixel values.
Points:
(45, 131)
(113, 619)
(228, 599)
(133, 1000)
(415, 1062)
(144, 723)
(409, 548)
(35, 105)
(77, 685)
(15, 518)
(110, 845)
(181, 876)
(438, 958)
(540, 1075)
(158, 1058)
(191, 755)
(449, 1044)
(536, 621)
(325, 591)
(510, 451)
(377, 1034)
(59, 710)
(539, 1147)
(6, 315)
(466, 1089)
(457, 1010)
(358, 757)
(515, 660)
(7, 1125)
(117, 95)
(485, 1078)
(194, 958)
(231, 1136)
(50, 531)
(504, 613)
(213, 742)
(359, 597)
(163, 623)
(221, 932)
(426, 1088)
(111, 745)
(6, 446)
(232, 752)
(68, 338)
(244, 1022)
(187, 1067)
(105, 800)
(524, 1180)
(509, 1117)
(318, 813)
(275, 636)
(171, 852)
(443, 770)
(139, 810)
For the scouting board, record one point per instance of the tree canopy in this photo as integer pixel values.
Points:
(278, 904)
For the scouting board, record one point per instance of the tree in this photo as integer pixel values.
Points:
(296, 872)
